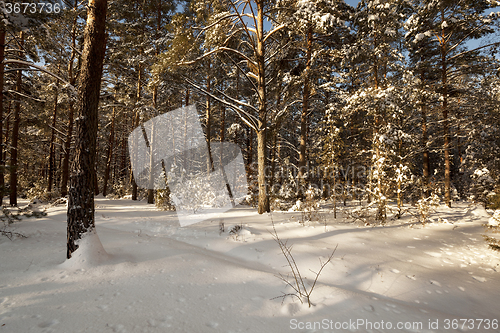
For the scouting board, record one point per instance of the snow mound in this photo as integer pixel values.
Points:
(244, 232)
(494, 221)
(479, 212)
(90, 252)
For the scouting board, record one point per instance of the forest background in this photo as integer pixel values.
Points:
(385, 103)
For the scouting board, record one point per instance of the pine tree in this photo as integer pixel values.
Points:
(81, 194)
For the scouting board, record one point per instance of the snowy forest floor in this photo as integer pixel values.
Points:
(155, 276)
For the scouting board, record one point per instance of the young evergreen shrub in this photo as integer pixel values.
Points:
(493, 226)
(494, 200)
(482, 186)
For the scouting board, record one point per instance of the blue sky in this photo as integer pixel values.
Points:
(352, 2)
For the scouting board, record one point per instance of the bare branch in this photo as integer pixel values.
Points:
(215, 23)
(272, 32)
(244, 25)
(26, 96)
(40, 68)
(244, 116)
(473, 50)
(221, 48)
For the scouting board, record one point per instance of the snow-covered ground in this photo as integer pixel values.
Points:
(153, 276)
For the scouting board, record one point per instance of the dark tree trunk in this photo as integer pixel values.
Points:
(132, 179)
(15, 135)
(110, 153)
(425, 138)
(67, 152)
(7, 129)
(151, 146)
(2, 67)
(249, 148)
(52, 152)
(305, 108)
(209, 124)
(444, 106)
(71, 113)
(81, 191)
(135, 124)
(262, 123)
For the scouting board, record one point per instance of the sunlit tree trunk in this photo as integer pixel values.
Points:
(81, 191)
(262, 122)
(15, 133)
(2, 67)
(109, 155)
(52, 151)
(305, 108)
(71, 113)
(444, 107)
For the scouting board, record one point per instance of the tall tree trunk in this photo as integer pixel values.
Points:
(305, 109)
(425, 139)
(151, 146)
(210, 163)
(249, 148)
(15, 133)
(2, 67)
(81, 191)
(425, 157)
(7, 129)
(71, 113)
(275, 138)
(222, 130)
(262, 122)
(96, 185)
(52, 151)
(444, 106)
(109, 155)
(151, 190)
(67, 151)
(135, 123)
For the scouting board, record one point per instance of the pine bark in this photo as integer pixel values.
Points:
(2, 68)
(71, 113)
(81, 192)
(110, 152)
(15, 134)
(444, 107)
(425, 138)
(209, 124)
(52, 152)
(305, 108)
(263, 205)
(135, 124)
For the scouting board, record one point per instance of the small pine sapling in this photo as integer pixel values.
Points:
(426, 206)
(493, 226)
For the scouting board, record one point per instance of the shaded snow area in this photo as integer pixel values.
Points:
(151, 275)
